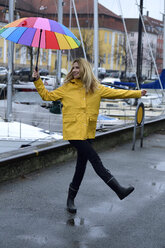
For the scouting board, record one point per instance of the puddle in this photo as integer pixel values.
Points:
(160, 166)
(105, 207)
(97, 232)
(159, 187)
(79, 244)
(77, 221)
(34, 238)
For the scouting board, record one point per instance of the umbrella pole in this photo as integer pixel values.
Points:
(36, 68)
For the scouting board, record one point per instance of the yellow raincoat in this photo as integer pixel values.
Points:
(80, 109)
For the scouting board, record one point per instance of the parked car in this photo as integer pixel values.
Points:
(114, 74)
(110, 80)
(3, 73)
(154, 77)
(49, 80)
(22, 74)
(43, 72)
(101, 72)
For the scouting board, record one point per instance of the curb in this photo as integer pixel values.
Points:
(29, 159)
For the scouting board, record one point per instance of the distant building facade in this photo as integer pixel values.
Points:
(111, 32)
(151, 41)
(112, 38)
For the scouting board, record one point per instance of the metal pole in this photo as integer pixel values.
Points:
(139, 49)
(82, 43)
(96, 49)
(128, 43)
(70, 24)
(10, 65)
(153, 59)
(59, 59)
(164, 37)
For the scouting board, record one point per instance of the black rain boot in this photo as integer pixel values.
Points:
(118, 189)
(70, 200)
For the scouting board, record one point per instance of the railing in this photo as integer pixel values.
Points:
(122, 113)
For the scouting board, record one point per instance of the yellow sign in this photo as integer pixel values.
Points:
(140, 115)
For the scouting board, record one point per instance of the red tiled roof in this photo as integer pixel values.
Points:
(82, 7)
(132, 24)
(49, 9)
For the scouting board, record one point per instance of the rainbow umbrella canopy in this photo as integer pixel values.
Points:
(40, 32)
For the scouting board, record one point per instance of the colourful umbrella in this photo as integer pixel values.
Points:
(40, 32)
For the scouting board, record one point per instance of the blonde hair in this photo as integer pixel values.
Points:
(86, 75)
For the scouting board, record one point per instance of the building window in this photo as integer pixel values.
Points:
(104, 59)
(28, 54)
(17, 55)
(109, 58)
(7, 15)
(44, 56)
(120, 39)
(0, 52)
(132, 43)
(132, 34)
(110, 38)
(105, 37)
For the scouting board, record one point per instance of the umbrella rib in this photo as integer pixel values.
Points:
(57, 40)
(64, 36)
(67, 41)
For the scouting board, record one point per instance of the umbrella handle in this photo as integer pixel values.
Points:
(36, 68)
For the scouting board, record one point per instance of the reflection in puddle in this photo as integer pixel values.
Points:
(158, 186)
(34, 238)
(76, 221)
(79, 244)
(97, 232)
(160, 166)
(105, 207)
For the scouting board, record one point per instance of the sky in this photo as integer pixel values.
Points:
(129, 8)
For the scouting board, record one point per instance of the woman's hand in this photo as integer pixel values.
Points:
(143, 92)
(36, 75)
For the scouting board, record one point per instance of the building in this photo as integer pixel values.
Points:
(111, 32)
(151, 41)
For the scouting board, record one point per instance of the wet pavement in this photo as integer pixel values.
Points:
(33, 214)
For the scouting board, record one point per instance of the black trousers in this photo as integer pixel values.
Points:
(86, 152)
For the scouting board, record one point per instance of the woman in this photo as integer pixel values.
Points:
(80, 95)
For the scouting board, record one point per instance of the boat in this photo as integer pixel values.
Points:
(28, 86)
(21, 131)
(148, 85)
(107, 121)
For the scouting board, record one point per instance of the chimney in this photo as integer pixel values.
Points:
(147, 13)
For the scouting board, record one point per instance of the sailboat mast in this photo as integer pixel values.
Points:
(59, 58)
(139, 48)
(10, 65)
(164, 37)
(95, 44)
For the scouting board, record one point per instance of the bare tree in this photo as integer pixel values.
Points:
(147, 59)
(87, 36)
(122, 55)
